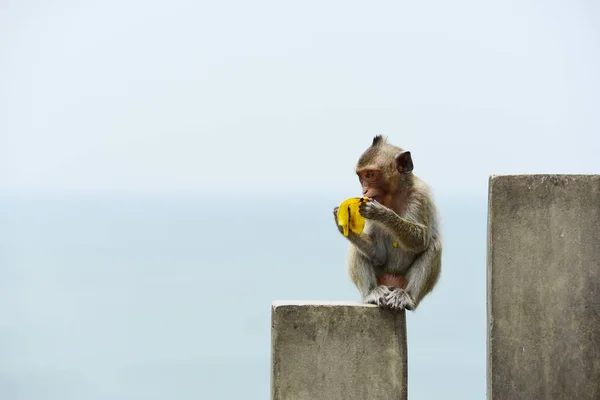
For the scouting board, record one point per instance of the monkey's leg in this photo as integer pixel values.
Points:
(424, 273)
(362, 274)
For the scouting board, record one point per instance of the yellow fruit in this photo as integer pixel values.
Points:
(348, 216)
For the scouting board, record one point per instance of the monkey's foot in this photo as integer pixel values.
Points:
(378, 296)
(399, 299)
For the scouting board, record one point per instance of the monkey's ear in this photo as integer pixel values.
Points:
(404, 162)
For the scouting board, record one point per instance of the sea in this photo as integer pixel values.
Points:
(146, 297)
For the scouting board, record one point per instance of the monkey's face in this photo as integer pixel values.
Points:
(374, 184)
(382, 169)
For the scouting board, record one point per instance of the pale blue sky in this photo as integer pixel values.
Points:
(112, 299)
(187, 97)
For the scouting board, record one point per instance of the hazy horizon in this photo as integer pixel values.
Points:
(148, 299)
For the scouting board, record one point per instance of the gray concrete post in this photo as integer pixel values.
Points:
(337, 351)
(544, 287)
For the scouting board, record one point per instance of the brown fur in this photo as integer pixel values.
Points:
(404, 213)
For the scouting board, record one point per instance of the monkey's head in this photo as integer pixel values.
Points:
(383, 170)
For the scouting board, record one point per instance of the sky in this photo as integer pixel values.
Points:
(188, 98)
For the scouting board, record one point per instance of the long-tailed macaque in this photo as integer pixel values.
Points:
(396, 260)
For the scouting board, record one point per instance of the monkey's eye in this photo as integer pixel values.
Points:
(369, 175)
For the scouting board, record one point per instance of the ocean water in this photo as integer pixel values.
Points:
(147, 298)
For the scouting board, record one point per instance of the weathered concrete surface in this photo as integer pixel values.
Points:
(337, 351)
(544, 287)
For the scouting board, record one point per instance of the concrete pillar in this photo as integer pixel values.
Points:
(544, 287)
(337, 351)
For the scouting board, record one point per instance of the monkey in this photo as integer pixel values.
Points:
(396, 261)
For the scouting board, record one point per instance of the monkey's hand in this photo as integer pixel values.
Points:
(335, 218)
(399, 299)
(351, 235)
(378, 296)
(374, 210)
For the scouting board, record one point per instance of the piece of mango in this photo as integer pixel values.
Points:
(348, 216)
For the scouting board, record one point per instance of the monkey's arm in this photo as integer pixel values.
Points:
(421, 278)
(413, 236)
(363, 275)
(364, 243)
